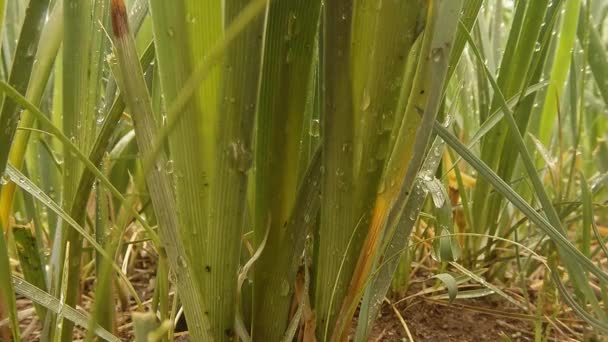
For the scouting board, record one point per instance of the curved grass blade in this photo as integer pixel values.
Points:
(52, 129)
(450, 284)
(503, 188)
(7, 295)
(131, 80)
(50, 41)
(573, 269)
(485, 283)
(282, 102)
(53, 304)
(395, 240)
(31, 188)
(175, 111)
(20, 75)
(413, 138)
(100, 146)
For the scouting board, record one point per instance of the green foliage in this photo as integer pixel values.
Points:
(269, 161)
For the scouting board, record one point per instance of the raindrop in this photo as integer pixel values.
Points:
(241, 156)
(31, 50)
(413, 215)
(169, 167)
(365, 100)
(181, 262)
(290, 26)
(381, 187)
(315, 128)
(436, 54)
(387, 122)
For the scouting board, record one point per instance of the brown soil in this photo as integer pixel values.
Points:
(426, 320)
(429, 321)
(484, 319)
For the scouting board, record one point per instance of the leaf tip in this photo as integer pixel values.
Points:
(120, 24)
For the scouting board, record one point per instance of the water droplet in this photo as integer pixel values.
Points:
(170, 32)
(291, 26)
(413, 215)
(242, 158)
(169, 166)
(172, 276)
(31, 50)
(436, 54)
(4, 179)
(381, 187)
(365, 100)
(181, 262)
(315, 128)
(388, 121)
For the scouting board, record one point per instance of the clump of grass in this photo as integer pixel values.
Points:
(315, 149)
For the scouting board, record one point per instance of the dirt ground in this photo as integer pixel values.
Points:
(483, 319)
(427, 320)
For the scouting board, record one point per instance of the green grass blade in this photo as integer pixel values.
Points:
(596, 54)
(504, 189)
(575, 273)
(81, 66)
(52, 129)
(8, 305)
(20, 74)
(50, 41)
(561, 65)
(516, 61)
(211, 152)
(287, 64)
(396, 240)
(413, 137)
(27, 185)
(53, 304)
(131, 81)
(30, 262)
